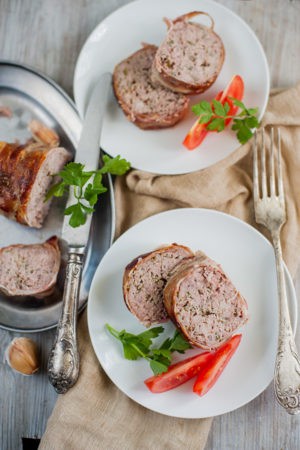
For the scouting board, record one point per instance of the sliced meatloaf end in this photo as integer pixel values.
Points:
(29, 270)
(146, 106)
(190, 58)
(145, 278)
(26, 173)
(203, 302)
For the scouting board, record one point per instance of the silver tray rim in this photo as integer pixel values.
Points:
(37, 72)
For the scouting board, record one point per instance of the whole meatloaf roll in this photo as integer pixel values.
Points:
(145, 278)
(26, 173)
(190, 58)
(203, 302)
(29, 270)
(143, 104)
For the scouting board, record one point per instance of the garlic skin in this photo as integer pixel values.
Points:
(22, 355)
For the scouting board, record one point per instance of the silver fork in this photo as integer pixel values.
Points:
(269, 207)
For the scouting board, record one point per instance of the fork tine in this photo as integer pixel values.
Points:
(255, 169)
(272, 166)
(279, 167)
(263, 165)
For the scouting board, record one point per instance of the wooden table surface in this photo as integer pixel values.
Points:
(48, 35)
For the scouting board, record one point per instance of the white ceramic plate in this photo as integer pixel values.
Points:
(121, 34)
(246, 256)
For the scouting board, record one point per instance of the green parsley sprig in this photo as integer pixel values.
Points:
(73, 175)
(137, 346)
(215, 115)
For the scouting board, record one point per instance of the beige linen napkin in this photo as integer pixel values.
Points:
(95, 414)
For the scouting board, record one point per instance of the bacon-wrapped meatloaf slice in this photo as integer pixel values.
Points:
(145, 278)
(29, 270)
(203, 302)
(190, 58)
(26, 173)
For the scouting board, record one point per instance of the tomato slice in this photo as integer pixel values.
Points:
(195, 136)
(211, 371)
(199, 130)
(178, 373)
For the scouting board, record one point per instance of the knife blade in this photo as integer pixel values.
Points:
(63, 363)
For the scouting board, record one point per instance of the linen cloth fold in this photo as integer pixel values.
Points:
(94, 414)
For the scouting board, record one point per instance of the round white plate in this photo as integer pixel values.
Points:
(121, 34)
(246, 256)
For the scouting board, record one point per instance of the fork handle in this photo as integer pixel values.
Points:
(287, 365)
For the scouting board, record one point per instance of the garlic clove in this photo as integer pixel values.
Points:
(22, 355)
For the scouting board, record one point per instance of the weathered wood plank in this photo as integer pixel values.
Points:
(25, 401)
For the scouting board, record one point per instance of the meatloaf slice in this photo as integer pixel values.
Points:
(145, 278)
(190, 58)
(144, 105)
(26, 173)
(29, 270)
(203, 302)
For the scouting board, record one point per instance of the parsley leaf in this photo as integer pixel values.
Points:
(147, 336)
(216, 116)
(137, 346)
(78, 213)
(57, 190)
(203, 107)
(177, 344)
(217, 124)
(115, 166)
(73, 175)
(244, 133)
(91, 193)
(205, 118)
(238, 103)
(219, 109)
(158, 366)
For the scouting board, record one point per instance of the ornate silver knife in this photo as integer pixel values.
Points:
(63, 364)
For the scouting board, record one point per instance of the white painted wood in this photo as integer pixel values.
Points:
(48, 35)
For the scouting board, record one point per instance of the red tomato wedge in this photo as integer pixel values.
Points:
(199, 130)
(178, 373)
(212, 370)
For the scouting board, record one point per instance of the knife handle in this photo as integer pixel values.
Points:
(63, 363)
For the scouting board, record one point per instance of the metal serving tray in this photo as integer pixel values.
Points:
(31, 95)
